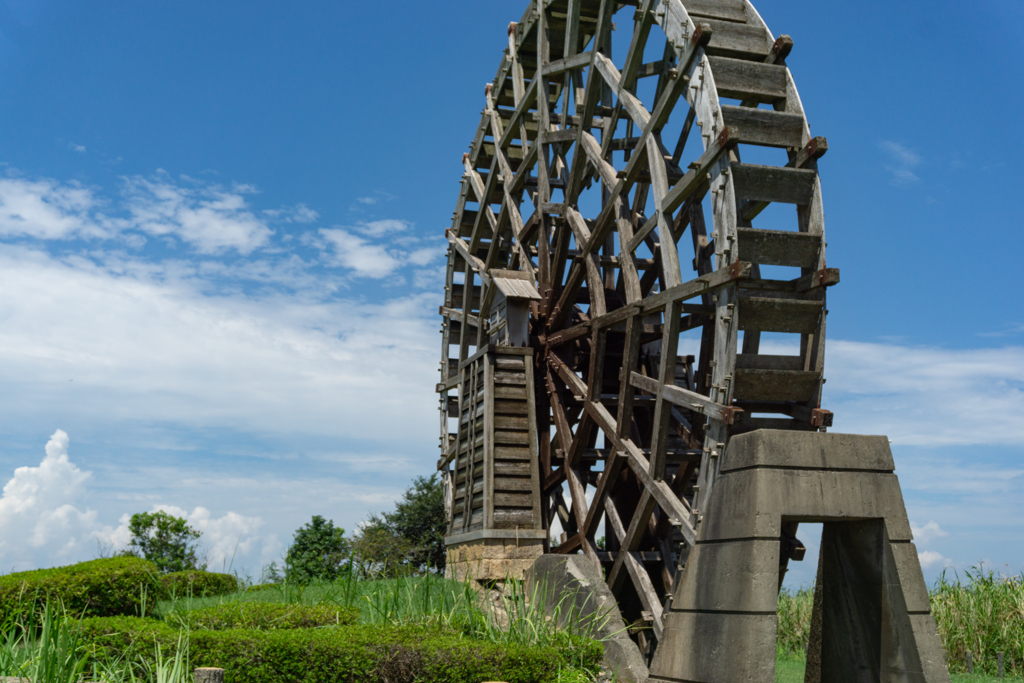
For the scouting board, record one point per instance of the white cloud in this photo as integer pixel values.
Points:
(903, 161)
(47, 209)
(367, 200)
(78, 148)
(38, 513)
(931, 558)
(300, 213)
(923, 535)
(208, 217)
(42, 523)
(383, 227)
(144, 342)
(927, 396)
(366, 259)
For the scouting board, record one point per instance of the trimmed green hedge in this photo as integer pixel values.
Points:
(392, 654)
(197, 584)
(99, 588)
(263, 616)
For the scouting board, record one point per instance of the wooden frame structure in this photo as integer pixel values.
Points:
(588, 168)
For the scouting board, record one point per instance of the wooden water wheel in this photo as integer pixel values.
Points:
(584, 350)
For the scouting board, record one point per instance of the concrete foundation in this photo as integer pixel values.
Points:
(492, 559)
(872, 621)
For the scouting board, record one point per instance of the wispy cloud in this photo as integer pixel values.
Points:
(926, 396)
(208, 217)
(902, 162)
(47, 209)
(77, 148)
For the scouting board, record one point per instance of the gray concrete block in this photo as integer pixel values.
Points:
(706, 647)
(911, 578)
(576, 584)
(810, 450)
(929, 648)
(751, 503)
(734, 576)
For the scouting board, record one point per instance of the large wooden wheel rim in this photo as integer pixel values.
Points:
(614, 293)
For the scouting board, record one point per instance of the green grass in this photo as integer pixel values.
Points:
(512, 619)
(791, 670)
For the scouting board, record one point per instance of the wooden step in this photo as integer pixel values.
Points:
(726, 10)
(775, 385)
(733, 39)
(749, 81)
(757, 361)
(763, 127)
(770, 314)
(778, 247)
(774, 183)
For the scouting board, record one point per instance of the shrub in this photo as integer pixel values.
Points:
(318, 551)
(394, 654)
(198, 584)
(106, 587)
(263, 616)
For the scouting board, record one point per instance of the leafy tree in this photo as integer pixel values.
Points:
(165, 540)
(410, 539)
(318, 551)
(378, 550)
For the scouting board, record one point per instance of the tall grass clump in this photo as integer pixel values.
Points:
(794, 622)
(983, 613)
(42, 645)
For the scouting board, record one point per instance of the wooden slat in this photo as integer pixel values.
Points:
(517, 500)
(751, 82)
(769, 314)
(521, 484)
(728, 10)
(774, 183)
(774, 385)
(764, 127)
(778, 247)
(731, 39)
(511, 453)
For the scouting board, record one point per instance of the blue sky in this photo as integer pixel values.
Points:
(221, 240)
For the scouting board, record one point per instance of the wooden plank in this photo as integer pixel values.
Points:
(763, 127)
(509, 438)
(754, 361)
(751, 82)
(511, 469)
(770, 314)
(778, 247)
(510, 422)
(511, 453)
(535, 495)
(732, 39)
(728, 10)
(511, 518)
(773, 183)
(560, 66)
(488, 412)
(775, 385)
(684, 398)
(519, 484)
(510, 392)
(518, 500)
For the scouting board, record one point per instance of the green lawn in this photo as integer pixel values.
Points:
(792, 671)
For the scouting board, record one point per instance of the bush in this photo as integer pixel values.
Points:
(263, 616)
(194, 583)
(107, 587)
(353, 653)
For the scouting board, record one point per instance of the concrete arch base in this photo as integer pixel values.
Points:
(872, 621)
